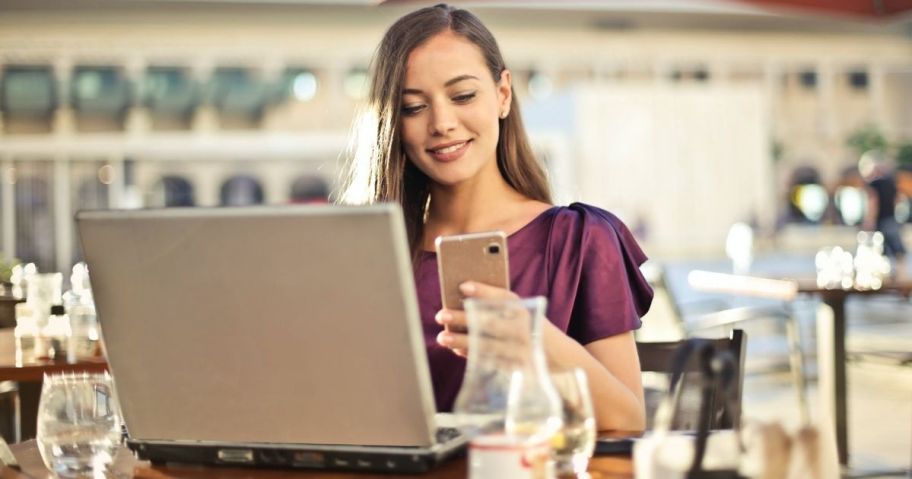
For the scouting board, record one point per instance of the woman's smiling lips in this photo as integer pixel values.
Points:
(449, 151)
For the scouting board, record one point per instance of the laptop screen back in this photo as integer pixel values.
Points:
(291, 324)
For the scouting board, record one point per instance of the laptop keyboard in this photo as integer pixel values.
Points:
(446, 434)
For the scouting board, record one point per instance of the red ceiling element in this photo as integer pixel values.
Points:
(863, 8)
(871, 9)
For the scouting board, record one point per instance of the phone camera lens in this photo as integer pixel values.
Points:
(493, 248)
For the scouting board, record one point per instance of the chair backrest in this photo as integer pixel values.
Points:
(657, 357)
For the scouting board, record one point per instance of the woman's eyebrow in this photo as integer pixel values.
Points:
(451, 81)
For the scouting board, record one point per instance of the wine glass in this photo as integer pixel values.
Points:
(79, 424)
(574, 444)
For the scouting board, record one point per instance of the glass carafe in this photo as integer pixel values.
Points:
(506, 386)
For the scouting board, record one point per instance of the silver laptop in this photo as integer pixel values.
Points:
(283, 336)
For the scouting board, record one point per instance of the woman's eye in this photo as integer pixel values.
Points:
(464, 97)
(412, 109)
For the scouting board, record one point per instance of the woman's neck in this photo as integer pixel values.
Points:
(481, 204)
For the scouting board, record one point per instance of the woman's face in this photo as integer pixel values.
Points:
(450, 110)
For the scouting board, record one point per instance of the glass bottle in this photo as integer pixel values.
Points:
(84, 333)
(27, 335)
(80, 308)
(57, 333)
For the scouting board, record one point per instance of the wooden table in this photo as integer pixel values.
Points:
(126, 466)
(12, 369)
(831, 333)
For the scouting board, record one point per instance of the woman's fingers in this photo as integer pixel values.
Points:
(457, 342)
(453, 335)
(452, 320)
(474, 289)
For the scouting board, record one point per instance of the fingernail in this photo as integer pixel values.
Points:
(444, 317)
(467, 288)
(444, 338)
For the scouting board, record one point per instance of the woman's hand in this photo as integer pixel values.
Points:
(611, 363)
(454, 336)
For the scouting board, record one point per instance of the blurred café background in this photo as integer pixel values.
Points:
(727, 135)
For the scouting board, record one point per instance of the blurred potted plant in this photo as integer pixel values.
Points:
(904, 154)
(867, 138)
(6, 271)
(904, 168)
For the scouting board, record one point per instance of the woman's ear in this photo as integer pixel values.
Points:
(505, 92)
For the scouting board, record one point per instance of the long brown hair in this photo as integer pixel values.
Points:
(379, 170)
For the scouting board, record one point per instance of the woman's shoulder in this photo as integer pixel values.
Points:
(584, 216)
(585, 228)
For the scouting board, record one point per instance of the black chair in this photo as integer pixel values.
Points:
(657, 357)
(715, 314)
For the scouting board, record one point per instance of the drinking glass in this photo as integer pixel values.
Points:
(79, 424)
(575, 443)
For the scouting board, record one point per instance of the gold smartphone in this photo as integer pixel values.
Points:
(480, 257)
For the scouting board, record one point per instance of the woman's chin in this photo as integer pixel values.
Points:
(449, 178)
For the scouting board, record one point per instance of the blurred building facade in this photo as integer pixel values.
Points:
(683, 120)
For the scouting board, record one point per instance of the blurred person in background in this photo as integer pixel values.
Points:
(444, 138)
(881, 212)
(904, 179)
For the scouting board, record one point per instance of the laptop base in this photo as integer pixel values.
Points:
(336, 458)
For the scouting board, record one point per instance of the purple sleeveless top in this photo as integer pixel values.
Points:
(582, 258)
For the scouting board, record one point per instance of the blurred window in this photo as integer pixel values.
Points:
(27, 92)
(858, 80)
(309, 189)
(540, 85)
(808, 79)
(808, 199)
(173, 190)
(235, 92)
(355, 83)
(241, 190)
(811, 200)
(34, 193)
(170, 92)
(100, 91)
(299, 84)
(851, 203)
(690, 74)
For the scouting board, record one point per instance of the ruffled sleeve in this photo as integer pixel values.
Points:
(596, 288)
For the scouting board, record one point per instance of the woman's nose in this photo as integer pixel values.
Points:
(443, 120)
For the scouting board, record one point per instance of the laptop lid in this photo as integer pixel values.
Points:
(287, 324)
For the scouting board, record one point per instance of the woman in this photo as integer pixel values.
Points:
(446, 141)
